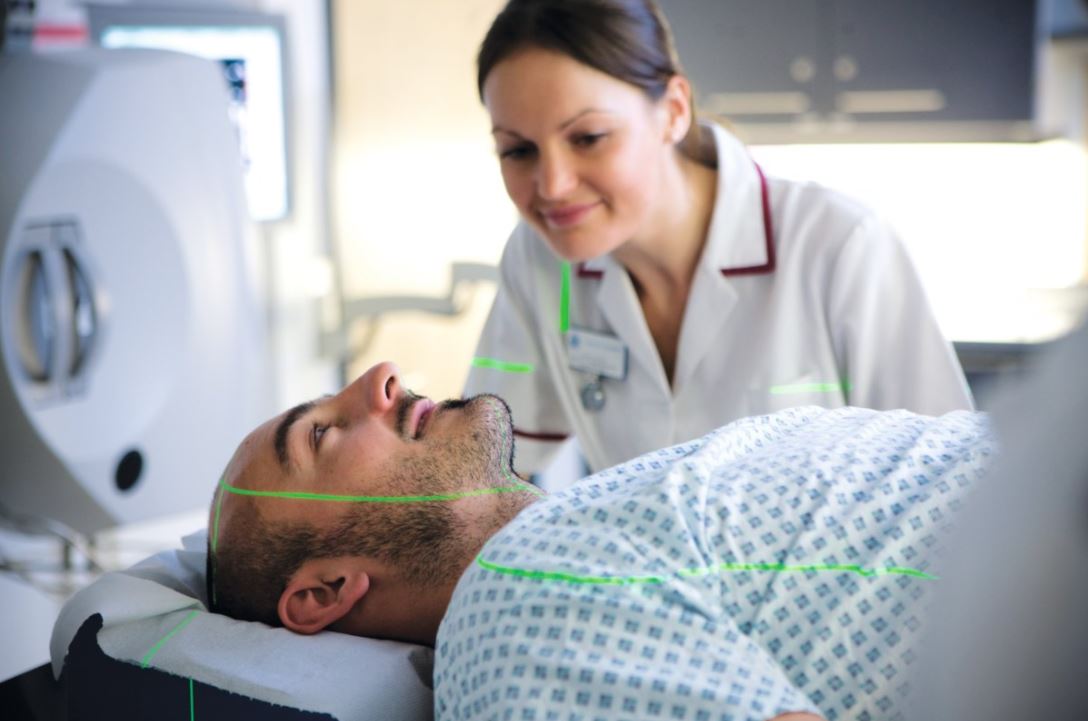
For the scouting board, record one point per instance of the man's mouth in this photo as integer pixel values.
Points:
(419, 415)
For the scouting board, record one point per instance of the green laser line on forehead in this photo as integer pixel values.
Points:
(604, 580)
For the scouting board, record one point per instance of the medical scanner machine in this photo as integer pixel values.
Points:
(132, 324)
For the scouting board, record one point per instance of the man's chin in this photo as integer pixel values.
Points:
(499, 423)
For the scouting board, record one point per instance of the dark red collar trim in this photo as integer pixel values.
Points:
(540, 436)
(768, 235)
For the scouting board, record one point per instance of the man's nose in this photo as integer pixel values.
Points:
(378, 389)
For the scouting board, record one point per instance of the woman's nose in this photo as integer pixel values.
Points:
(555, 177)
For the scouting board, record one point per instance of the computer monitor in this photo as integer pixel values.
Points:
(251, 48)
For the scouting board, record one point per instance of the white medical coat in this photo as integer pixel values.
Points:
(801, 296)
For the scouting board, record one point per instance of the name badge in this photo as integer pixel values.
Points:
(596, 353)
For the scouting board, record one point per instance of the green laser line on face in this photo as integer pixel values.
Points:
(516, 484)
(336, 498)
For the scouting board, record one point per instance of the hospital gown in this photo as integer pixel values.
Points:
(627, 596)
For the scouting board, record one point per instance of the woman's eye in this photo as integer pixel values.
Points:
(586, 140)
(518, 152)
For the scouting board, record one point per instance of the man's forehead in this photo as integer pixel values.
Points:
(254, 464)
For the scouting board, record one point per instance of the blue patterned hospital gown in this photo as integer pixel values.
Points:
(625, 596)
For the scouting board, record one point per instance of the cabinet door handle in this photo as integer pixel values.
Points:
(858, 102)
(730, 104)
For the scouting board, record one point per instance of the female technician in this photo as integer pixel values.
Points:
(659, 284)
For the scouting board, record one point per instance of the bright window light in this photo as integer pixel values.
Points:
(997, 231)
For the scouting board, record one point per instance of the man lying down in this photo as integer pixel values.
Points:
(776, 568)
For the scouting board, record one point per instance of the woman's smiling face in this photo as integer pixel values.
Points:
(582, 153)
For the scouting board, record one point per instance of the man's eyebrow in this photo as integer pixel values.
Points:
(284, 427)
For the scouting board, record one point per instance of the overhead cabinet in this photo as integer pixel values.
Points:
(855, 70)
(1067, 19)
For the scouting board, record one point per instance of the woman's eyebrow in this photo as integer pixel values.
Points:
(562, 125)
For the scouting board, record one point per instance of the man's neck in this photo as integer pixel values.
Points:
(481, 521)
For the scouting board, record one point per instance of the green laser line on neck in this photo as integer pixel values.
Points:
(337, 498)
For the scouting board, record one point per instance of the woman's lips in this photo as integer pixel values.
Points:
(421, 411)
(568, 215)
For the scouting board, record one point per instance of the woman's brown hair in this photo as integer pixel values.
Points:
(629, 40)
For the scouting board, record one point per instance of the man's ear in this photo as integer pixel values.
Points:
(321, 592)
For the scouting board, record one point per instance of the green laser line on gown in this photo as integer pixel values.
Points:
(810, 388)
(564, 297)
(504, 366)
(704, 571)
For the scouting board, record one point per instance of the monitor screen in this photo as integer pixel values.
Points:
(250, 50)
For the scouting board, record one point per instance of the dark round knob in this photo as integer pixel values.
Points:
(129, 470)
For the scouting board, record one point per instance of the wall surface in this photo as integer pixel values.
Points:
(416, 182)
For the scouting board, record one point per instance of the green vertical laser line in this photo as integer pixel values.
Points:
(218, 506)
(215, 537)
(146, 660)
(810, 388)
(192, 707)
(704, 571)
(564, 297)
(504, 366)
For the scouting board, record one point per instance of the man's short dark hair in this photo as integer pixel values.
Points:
(255, 558)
